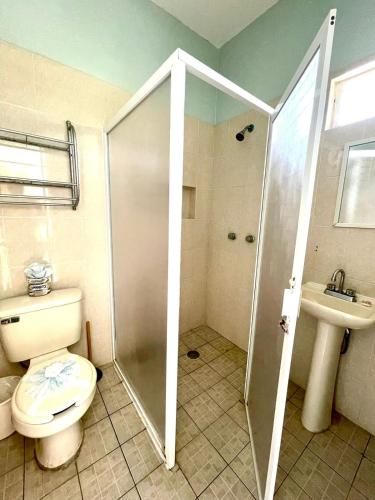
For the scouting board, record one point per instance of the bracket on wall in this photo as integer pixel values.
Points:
(69, 146)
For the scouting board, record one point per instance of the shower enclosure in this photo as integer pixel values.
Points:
(145, 146)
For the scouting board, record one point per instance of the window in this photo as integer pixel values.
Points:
(352, 96)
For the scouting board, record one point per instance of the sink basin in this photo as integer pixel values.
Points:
(334, 315)
(355, 315)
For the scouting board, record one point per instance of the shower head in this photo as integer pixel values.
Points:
(240, 136)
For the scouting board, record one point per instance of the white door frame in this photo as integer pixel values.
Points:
(323, 42)
(175, 67)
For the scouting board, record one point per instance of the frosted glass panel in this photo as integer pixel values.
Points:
(285, 171)
(139, 182)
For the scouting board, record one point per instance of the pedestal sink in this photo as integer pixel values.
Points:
(333, 315)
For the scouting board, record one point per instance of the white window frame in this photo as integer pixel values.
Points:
(340, 189)
(358, 70)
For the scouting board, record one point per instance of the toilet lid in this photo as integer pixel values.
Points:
(54, 385)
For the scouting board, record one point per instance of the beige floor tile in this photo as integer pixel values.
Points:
(238, 413)
(186, 429)
(99, 439)
(227, 437)
(291, 450)
(141, 456)
(11, 484)
(207, 333)
(237, 379)
(289, 490)
(224, 394)
(96, 412)
(108, 478)
(39, 483)
(365, 479)
(238, 356)
(109, 378)
(208, 353)
(69, 490)
(292, 388)
(298, 398)
(317, 479)
(131, 495)
(370, 449)
(222, 344)
(11, 452)
(29, 449)
(203, 410)
(126, 423)
(355, 495)
(226, 486)
(187, 389)
(280, 477)
(182, 348)
(349, 432)
(181, 372)
(200, 463)
(223, 365)
(188, 364)
(243, 466)
(115, 398)
(193, 340)
(293, 424)
(206, 377)
(336, 453)
(165, 485)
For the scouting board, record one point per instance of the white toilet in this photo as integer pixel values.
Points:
(59, 386)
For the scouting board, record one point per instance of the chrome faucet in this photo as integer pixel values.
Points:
(340, 272)
(338, 291)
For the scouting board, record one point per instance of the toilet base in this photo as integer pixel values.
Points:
(57, 450)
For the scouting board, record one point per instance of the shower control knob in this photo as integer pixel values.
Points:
(250, 238)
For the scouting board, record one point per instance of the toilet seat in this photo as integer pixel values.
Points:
(54, 393)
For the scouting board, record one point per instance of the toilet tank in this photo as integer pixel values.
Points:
(32, 326)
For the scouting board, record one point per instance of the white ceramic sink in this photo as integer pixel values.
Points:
(355, 315)
(334, 315)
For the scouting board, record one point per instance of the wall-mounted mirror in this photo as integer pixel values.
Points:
(355, 205)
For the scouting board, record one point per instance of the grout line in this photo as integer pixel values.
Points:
(79, 479)
(24, 467)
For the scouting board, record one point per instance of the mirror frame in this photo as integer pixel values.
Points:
(340, 189)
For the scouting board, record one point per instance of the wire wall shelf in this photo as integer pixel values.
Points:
(69, 146)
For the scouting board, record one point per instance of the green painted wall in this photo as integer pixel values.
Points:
(125, 41)
(265, 55)
(120, 41)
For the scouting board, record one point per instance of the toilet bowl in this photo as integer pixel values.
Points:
(59, 386)
(49, 402)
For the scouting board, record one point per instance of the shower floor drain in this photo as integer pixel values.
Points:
(193, 354)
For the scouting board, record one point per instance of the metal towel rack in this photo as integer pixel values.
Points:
(70, 146)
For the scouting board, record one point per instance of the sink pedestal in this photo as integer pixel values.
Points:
(317, 407)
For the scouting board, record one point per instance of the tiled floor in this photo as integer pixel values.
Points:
(118, 461)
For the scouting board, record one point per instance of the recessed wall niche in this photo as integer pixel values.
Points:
(188, 202)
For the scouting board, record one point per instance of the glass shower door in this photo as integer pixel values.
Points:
(138, 149)
(290, 174)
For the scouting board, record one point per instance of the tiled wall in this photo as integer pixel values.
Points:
(37, 95)
(352, 249)
(198, 168)
(236, 194)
